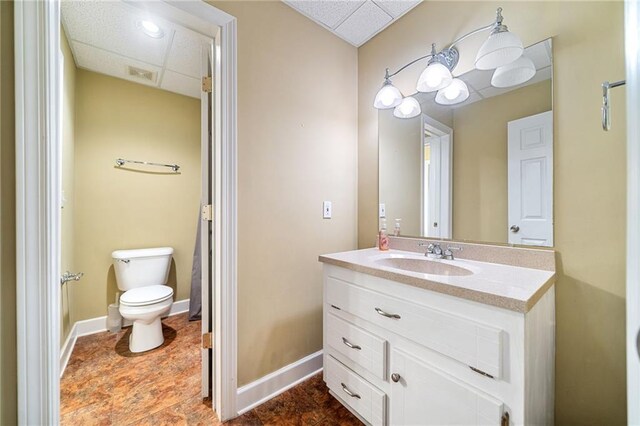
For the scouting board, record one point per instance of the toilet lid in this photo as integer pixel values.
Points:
(146, 295)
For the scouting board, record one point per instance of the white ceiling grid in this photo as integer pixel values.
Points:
(355, 21)
(105, 37)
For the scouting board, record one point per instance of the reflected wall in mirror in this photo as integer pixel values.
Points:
(480, 170)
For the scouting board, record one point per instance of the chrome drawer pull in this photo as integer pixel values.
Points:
(348, 392)
(395, 377)
(386, 314)
(336, 307)
(349, 344)
(481, 372)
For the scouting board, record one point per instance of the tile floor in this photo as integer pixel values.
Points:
(105, 384)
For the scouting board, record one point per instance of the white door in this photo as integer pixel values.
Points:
(206, 243)
(436, 179)
(530, 180)
(424, 395)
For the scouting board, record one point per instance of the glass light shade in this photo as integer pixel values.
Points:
(434, 77)
(517, 72)
(455, 93)
(387, 97)
(498, 50)
(409, 108)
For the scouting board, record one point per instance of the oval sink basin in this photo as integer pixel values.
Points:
(424, 266)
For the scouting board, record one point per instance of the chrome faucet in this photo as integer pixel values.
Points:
(435, 251)
(448, 253)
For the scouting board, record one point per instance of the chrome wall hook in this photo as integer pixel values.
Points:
(606, 108)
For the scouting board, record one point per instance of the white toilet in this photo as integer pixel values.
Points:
(141, 274)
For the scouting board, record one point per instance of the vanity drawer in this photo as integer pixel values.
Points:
(362, 347)
(364, 398)
(474, 344)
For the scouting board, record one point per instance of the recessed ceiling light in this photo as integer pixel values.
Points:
(150, 28)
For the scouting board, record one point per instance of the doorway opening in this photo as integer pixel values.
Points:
(436, 182)
(41, 166)
(137, 133)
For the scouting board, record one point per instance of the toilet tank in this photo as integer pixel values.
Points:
(142, 267)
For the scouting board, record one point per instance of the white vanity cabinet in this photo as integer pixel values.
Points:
(402, 355)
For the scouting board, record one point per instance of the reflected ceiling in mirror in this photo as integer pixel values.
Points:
(479, 170)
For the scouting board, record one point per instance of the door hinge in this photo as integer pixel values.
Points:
(207, 341)
(207, 84)
(207, 212)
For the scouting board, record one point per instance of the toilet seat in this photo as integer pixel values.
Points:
(147, 295)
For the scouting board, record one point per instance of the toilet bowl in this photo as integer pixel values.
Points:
(141, 274)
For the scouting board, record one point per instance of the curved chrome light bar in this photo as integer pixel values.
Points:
(449, 57)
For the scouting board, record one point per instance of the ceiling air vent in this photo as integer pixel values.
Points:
(141, 73)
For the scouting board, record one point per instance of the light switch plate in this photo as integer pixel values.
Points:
(326, 210)
(382, 211)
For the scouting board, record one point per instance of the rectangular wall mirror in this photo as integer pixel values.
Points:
(480, 170)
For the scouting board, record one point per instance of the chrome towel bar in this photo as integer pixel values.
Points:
(121, 162)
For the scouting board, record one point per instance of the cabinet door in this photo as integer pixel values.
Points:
(425, 395)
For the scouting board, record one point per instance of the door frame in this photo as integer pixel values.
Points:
(445, 171)
(38, 182)
(632, 55)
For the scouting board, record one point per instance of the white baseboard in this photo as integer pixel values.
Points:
(273, 384)
(67, 348)
(98, 325)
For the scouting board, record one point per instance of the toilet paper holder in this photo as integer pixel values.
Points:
(68, 276)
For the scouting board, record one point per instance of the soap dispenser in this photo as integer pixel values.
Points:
(396, 228)
(383, 238)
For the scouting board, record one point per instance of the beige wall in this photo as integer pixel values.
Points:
(589, 181)
(124, 209)
(297, 136)
(8, 376)
(480, 207)
(67, 260)
(401, 172)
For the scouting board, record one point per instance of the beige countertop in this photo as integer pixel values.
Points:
(505, 286)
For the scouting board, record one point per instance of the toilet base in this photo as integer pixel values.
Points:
(145, 337)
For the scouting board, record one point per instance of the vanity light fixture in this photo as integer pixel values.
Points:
(517, 72)
(150, 28)
(409, 108)
(501, 49)
(388, 96)
(437, 74)
(453, 94)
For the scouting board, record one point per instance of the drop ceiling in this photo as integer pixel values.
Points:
(355, 21)
(105, 37)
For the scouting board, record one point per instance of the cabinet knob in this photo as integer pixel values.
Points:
(395, 377)
(514, 229)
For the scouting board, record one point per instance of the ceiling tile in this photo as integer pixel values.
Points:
(423, 97)
(355, 21)
(397, 8)
(180, 83)
(473, 97)
(477, 79)
(494, 91)
(185, 54)
(540, 54)
(365, 22)
(328, 13)
(104, 62)
(112, 26)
